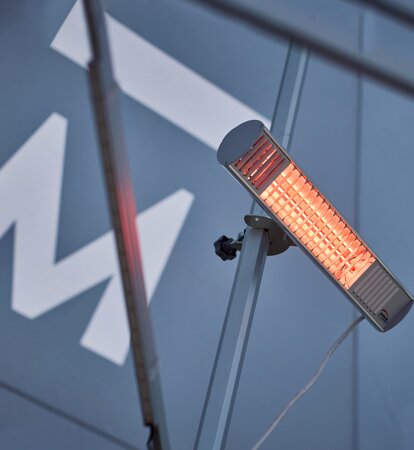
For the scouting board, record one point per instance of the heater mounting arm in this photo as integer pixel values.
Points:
(226, 248)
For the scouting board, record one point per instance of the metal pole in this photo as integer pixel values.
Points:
(287, 102)
(292, 27)
(400, 11)
(122, 210)
(222, 390)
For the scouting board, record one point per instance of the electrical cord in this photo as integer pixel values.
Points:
(309, 384)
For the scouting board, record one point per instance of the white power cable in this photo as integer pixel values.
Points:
(309, 384)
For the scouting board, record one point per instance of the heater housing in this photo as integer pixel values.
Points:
(268, 172)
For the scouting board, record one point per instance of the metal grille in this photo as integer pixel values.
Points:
(261, 164)
(300, 207)
(375, 289)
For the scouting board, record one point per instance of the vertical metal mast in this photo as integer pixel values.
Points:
(120, 194)
(222, 390)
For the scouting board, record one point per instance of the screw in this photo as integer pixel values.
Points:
(384, 315)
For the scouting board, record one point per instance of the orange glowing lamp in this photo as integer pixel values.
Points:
(263, 167)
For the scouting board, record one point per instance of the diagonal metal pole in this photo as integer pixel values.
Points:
(401, 11)
(120, 194)
(224, 381)
(290, 25)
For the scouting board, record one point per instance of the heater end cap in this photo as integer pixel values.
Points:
(404, 311)
(239, 141)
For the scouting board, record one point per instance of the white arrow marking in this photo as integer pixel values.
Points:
(158, 81)
(30, 191)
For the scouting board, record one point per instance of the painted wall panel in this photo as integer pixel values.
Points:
(26, 425)
(188, 201)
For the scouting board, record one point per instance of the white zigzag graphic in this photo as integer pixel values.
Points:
(30, 185)
(30, 191)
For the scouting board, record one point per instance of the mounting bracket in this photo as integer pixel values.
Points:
(226, 248)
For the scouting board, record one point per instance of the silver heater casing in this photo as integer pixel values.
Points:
(377, 294)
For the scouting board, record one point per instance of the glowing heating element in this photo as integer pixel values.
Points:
(319, 228)
(276, 182)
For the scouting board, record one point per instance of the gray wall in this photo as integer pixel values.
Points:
(386, 367)
(56, 392)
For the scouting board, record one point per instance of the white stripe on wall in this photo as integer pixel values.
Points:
(158, 81)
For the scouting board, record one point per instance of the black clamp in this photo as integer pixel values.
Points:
(226, 248)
